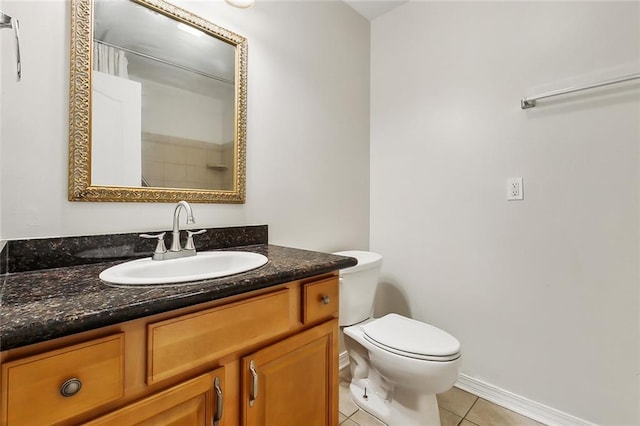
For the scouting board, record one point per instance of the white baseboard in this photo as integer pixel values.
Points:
(343, 360)
(526, 407)
(521, 405)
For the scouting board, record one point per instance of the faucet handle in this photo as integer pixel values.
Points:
(189, 245)
(160, 247)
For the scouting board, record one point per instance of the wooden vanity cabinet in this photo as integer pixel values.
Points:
(267, 358)
(185, 342)
(293, 382)
(197, 401)
(53, 386)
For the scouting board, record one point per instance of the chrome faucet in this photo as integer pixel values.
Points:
(175, 242)
(176, 249)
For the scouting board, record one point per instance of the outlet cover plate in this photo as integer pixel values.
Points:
(515, 189)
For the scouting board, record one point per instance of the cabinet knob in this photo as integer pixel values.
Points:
(325, 300)
(70, 387)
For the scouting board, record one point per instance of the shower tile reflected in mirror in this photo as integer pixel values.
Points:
(171, 162)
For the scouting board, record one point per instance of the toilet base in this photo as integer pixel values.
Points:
(372, 403)
(396, 409)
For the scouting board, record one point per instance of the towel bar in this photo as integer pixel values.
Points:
(7, 21)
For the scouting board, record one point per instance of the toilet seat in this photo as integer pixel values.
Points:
(411, 338)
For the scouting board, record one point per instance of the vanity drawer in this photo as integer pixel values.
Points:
(190, 341)
(33, 386)
(320, 300)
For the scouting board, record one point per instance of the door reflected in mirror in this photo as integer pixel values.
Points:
(168, 106)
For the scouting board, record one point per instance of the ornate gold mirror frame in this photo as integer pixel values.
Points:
(80, 187)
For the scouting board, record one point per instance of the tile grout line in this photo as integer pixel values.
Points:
(353, 414)
(470, 408)
(459, 421)
(452, 413)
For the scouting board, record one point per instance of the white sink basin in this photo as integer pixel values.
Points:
(202, 266)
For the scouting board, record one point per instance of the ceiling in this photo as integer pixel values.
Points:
(371, 9)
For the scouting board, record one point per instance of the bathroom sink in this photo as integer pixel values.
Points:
(202, 266)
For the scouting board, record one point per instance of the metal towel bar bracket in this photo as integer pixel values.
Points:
(7, 21)
(530, 102)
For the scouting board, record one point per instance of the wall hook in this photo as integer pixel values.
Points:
(7, 21)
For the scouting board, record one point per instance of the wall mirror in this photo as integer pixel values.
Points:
(157, 108)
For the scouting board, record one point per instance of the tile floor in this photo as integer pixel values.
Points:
(457, 408)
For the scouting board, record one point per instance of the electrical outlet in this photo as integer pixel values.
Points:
(515, 190)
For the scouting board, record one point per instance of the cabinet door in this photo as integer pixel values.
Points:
(293, 382)
(195, 402)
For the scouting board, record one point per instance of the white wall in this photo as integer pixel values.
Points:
(542, 293)
(307, 144)
(180, 113)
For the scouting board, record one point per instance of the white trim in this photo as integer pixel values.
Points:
(509, 400)
(526, 407)
(343, 360)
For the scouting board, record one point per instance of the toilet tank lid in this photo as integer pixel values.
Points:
(366, 260)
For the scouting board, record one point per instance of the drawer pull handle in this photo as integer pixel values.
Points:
(254, 384)
(218, 415)
(70, 387)
(325, 300)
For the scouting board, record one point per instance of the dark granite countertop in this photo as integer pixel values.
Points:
(44, 304)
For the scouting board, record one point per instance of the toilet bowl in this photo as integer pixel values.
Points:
(398, 364)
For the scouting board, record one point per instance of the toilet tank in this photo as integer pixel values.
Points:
(358, 286)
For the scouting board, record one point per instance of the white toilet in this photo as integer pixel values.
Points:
(398, 364)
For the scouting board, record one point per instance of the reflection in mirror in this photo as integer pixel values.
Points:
(163, 99)
(168, 106)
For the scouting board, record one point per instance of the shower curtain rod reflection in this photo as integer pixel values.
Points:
(530, 102)
(163, 61)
